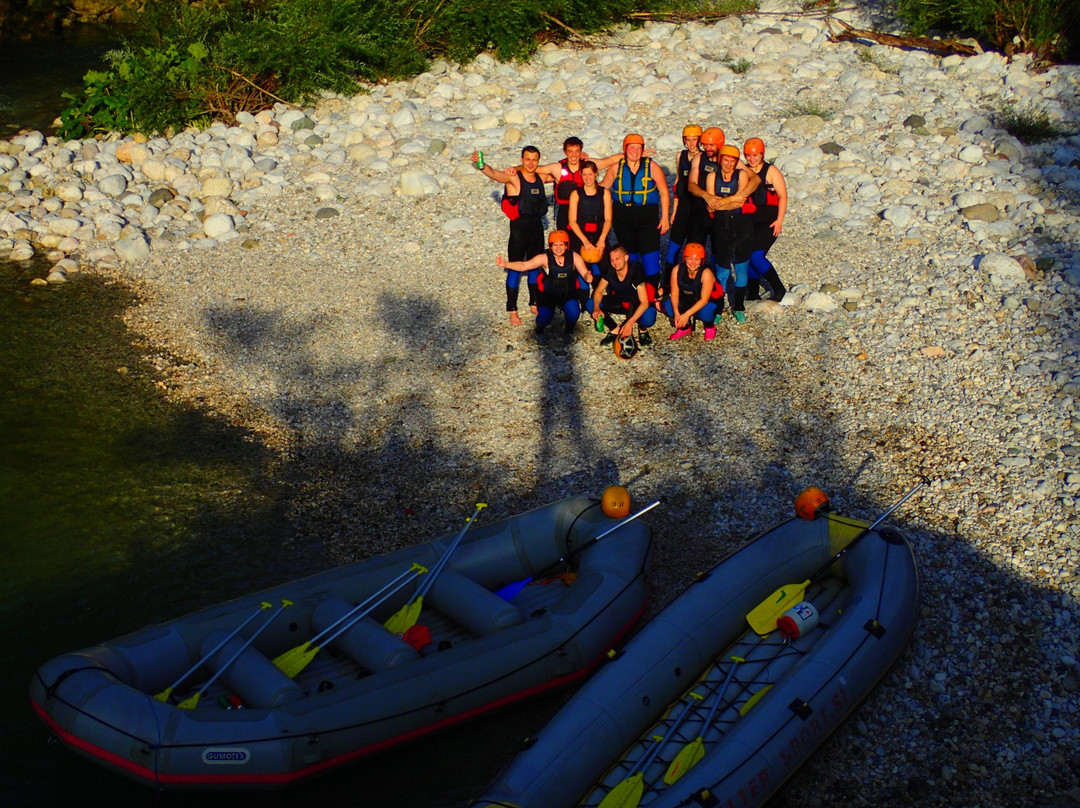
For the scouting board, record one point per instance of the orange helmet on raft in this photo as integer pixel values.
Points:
(693, 250)
(615, 502)
(713, 136)
(811, 502)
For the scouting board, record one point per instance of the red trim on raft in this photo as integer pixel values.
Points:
(164, 779)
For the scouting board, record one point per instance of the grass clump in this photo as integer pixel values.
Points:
(1028, 124)
(873, 56)
(738, 66)
(810, 106)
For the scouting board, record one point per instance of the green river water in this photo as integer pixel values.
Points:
(118, 509)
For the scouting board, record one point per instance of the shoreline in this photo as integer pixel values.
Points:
(350, 311)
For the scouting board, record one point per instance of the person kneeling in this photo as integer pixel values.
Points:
(695, 294)
(623, 290)
(556, 286)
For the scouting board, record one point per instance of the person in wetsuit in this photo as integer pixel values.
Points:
(622, 291)
(640, 207)
(695, 294)
(767, 208)
(590, 221)
(688, 217)
(556, 284)
(733, 231)
(525, 203)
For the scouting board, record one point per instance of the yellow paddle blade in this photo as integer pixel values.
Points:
(687, 758)
(762, 618)
(626, 794)
(190, 702)
(164, 694)
(292, 662)
(751, 702)
(405, 617)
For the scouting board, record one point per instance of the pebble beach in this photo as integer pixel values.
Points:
(326, 278)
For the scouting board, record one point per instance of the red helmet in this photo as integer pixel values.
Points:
(558, 237)
(713, 136)
(693, 250)
(638, 139)
(754, 145)
(811, 502)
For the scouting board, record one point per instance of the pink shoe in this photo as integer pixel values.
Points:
(682, 332)
(710, 333)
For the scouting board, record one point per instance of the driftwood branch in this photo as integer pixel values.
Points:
(262, 90)
(941, 47)
(572, 31)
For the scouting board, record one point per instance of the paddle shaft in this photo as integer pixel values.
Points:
(247, 644)
(372, 600)
(424, 588)
(660, 743)
(869, 529)
(358, 617)
(218, 647)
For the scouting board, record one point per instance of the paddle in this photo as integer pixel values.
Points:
(164, 694)
(694, 751)
(510, 590)
(762, 618)
(405, 617)
(296, 659)
(627, 794)
(190, 702)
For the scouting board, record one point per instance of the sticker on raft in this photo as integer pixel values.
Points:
(223, 755)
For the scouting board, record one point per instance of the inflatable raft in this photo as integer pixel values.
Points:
(369, 689)
(701, 710)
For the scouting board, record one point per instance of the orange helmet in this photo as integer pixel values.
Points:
(693, 130)
(626, 347)
(811, 502)
(557, 237)
(693, 250)
(713, 136)
(729, 151)
(754, 145)
(638, 139)
(615, 502)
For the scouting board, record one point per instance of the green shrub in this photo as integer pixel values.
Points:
(1043, 27)
(738, 66)
(810, 106)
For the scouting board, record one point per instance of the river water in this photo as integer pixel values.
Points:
(118, 509)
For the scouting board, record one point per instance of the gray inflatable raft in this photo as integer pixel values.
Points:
(368, 690)
(698, 709)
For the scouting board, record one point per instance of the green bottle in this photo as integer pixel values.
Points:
(480, 160)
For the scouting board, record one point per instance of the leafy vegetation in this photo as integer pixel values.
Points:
(738, 66)
(1047, 28)
(1028, 124)
(810, 106)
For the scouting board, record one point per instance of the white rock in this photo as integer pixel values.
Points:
(217, 224)
(461, 224)
(745, 109)
(819, 302)
(971, 154)
(1002, 269)
(417, 183)
(899, 216)
(216, 186)
(113, 185)
(133, 248)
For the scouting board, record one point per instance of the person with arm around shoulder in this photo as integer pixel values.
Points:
(732, 230)
(767, 208)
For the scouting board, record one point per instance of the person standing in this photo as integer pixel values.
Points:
(733, 231)
(556, 285)
(688, 216)
(695, 294)
(767, 206)
(525, 203)
(590, 221)
(640, 208)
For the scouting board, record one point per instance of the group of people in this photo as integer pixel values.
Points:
(735, 208)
